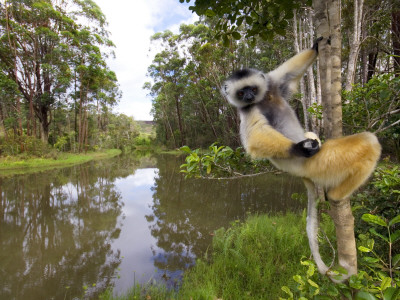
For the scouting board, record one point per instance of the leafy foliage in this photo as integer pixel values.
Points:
(220, 161)
(361, 286)
(382, 195)
(51, 56)
(15, 144)
(262, 18)
(377, 215)
(374, 106)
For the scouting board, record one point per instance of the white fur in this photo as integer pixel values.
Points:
(230, 88)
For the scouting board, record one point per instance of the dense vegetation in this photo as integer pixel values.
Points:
(57, 93)
(188, 73)
(189, 110)
(56, 89)
(268, 257)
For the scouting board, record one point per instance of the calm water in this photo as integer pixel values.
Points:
(118, 221)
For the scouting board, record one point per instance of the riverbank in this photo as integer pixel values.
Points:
(16, 164)
(249, 260)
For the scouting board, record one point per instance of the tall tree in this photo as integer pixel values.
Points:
(40, 40)
(260, 21)
(396, 39)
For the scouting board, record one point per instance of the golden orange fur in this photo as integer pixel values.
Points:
(341, 165)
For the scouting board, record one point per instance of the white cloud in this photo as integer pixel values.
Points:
(131, 24)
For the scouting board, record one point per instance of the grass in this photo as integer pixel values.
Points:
(16, 165)
(250, 260)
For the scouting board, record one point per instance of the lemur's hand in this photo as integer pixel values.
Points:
(305, 148)
(315, 46)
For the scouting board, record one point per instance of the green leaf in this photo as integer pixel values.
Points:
(386, 282)
(395, 236)
(395, 220)
(185, 149)
(332, 291)
(210, 13)
(364, 249)
(287, 291)
(249, 20)
(373, 231)
(312, 283)
(225, 41)
(236, 35)
(391, 293)
(370, 259)
(374, 220)
(396, 260)
(362, 295)
(298, 279)
(239, 21)
(311, 270)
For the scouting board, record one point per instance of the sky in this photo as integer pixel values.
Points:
(131, 24)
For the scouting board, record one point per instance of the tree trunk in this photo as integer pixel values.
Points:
(180, 122)
(44, 131)
(354, 44)
(298, 49)
(396, 41)
(323, 29)
(342, 216)
(364, 58)
(336, 72)
(372, 60)
(20, 131)
(310, 76)
(328, 20)
(2, 117)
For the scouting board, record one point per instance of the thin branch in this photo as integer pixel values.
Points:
(236, 177)
(387, 127)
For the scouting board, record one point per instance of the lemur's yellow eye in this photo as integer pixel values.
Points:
(254, 89)
(240, 93)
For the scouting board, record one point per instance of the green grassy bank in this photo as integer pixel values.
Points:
(250, 260)
(16, 164)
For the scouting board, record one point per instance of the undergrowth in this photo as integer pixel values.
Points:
(250, 260)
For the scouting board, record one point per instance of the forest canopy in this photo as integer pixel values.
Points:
(188, 72)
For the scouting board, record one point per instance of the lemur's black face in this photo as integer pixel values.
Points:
(247, 94)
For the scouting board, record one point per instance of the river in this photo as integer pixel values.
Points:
(72, 232)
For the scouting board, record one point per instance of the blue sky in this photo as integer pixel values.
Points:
(131, 24)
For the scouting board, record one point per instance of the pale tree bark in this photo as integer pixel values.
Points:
(298, 49)
(325, 62)
(327, 21)
(336, 72)
(310, 75)
(364, 57)
(396, 41)
(355, 43)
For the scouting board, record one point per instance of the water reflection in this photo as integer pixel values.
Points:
(56, 233)
(184, 213)
(118, 222)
